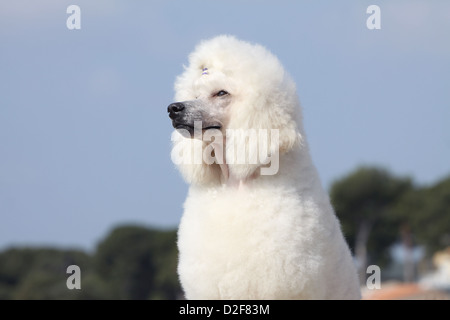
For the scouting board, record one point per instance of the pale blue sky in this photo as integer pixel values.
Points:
(84, 131)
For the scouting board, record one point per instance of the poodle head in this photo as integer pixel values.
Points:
(236, 99)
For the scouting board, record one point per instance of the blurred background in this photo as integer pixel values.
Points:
(85, 170)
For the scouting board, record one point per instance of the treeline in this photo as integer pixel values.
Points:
(376, 208)
(132, 262)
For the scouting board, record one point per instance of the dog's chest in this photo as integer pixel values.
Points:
(237, 239)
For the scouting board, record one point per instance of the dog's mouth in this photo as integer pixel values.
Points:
(212, 127)
(180, 126)
(184, 126)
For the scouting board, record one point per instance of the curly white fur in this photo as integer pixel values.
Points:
(269, 236)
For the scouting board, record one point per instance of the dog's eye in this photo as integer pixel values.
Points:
(221, 93)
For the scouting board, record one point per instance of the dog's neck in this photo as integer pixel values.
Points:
(231, 181)
(227, 178)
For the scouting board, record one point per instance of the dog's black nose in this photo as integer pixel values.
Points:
(174, 109)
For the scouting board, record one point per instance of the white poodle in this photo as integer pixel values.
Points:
(257, 223)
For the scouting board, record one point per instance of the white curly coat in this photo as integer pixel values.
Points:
(268, 236)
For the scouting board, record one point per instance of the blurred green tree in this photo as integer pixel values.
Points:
(130, 263)
(139, 263)
(363, 201)
(427, 212)
(40, 273)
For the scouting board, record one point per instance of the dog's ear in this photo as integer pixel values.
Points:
(263, 128)
(187, 155)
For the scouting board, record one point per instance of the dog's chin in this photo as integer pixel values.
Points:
(187, 130)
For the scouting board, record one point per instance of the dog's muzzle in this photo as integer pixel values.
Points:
(182, 120)
(178, 115)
